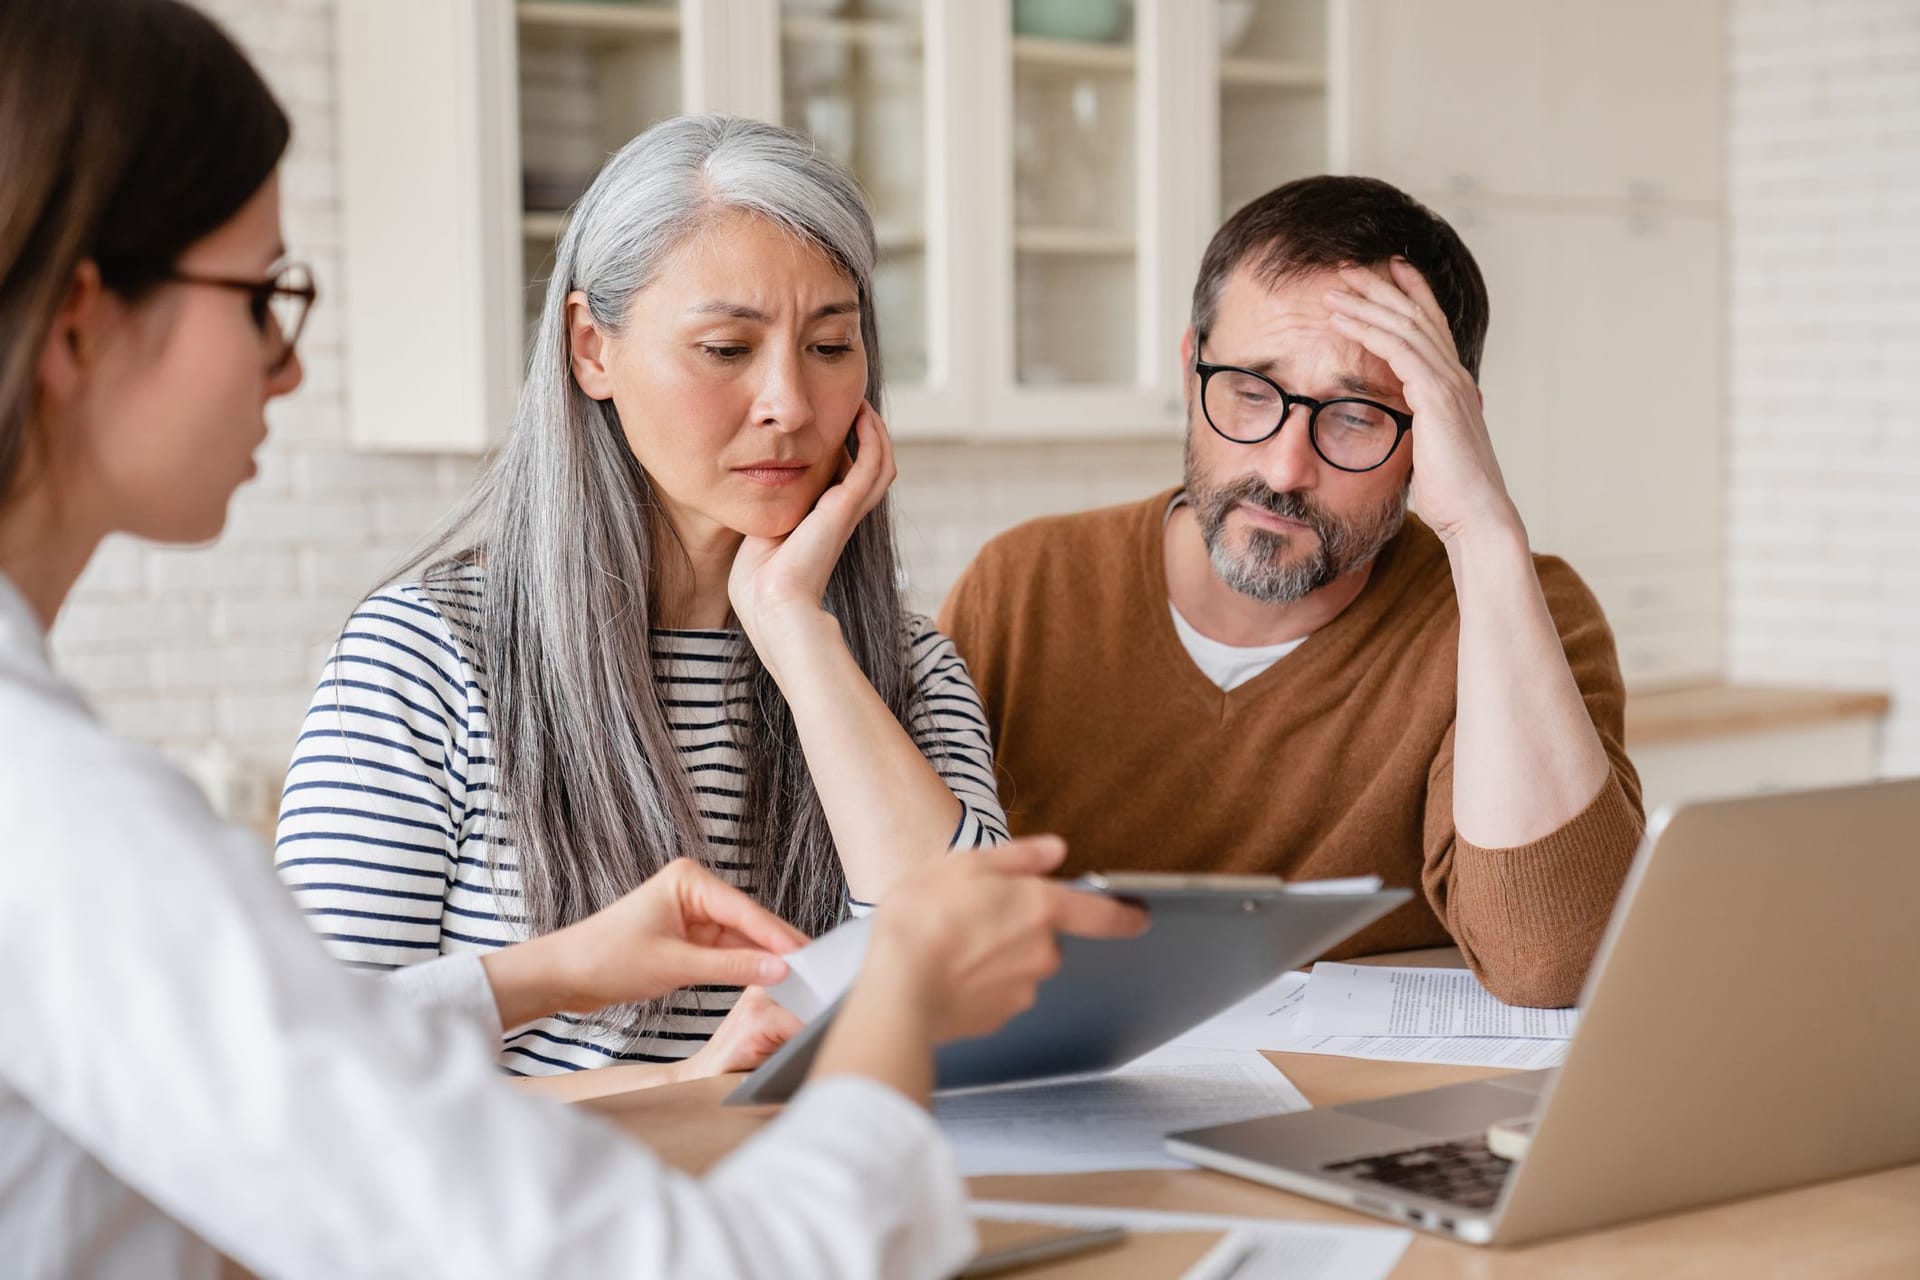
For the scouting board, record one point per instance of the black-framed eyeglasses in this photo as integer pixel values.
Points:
(279, 305)
(1348, 433)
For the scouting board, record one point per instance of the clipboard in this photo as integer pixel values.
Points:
(1214, 941)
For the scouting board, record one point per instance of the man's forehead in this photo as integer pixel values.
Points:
(1305, 290)
(1286, 326)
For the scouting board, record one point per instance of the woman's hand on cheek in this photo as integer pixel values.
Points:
(777, 584)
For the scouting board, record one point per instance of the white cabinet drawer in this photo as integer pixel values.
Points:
(1651, 658)
(1658, 595)
(1823, 755)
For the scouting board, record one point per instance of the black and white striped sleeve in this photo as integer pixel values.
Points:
(951, 732)
(372, 814)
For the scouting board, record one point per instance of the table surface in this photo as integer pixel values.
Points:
(1866, 1226)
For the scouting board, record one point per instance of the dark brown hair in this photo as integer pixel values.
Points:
(129, 129)
(1329, 221)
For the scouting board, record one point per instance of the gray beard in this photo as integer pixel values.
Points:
(1263, 570)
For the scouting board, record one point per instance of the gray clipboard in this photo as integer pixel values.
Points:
(1214, 941)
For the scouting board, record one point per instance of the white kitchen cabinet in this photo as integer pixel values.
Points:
(431, 270)
(1558, 101)
(1637, 108)
(1637, 386)
(1453, 98)
(1041, 200)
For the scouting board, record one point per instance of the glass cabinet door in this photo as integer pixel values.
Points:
(1273, 95)
(593, 74)
(853, 78)
(1075, 177)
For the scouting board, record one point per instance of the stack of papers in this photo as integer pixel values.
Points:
(1119, 1120)
(1395, 1014)
(1352, 999)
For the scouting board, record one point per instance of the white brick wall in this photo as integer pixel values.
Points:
(187, 648)
(1824, 457)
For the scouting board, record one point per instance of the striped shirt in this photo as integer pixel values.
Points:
(389, 812)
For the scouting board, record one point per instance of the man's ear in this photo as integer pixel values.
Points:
(587, 348)
(76, 336)
(1186, 347)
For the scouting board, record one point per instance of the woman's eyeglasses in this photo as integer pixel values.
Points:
(278, 304)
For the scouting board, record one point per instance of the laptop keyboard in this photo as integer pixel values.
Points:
(1463, 1173)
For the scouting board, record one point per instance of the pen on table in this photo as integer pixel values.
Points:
(992, 1262)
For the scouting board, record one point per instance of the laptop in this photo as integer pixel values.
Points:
(1751, 1022)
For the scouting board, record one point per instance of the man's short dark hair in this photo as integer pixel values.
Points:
(1329, 221)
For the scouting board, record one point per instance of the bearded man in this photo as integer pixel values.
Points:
(1275, 668)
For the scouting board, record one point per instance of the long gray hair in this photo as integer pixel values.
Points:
(567, 526)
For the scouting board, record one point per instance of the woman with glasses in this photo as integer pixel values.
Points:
(186, 1070)
(669, 623)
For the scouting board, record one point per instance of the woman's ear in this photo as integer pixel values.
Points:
(587, 346)
(74, 339)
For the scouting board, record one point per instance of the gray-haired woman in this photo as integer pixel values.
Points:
(668, 623)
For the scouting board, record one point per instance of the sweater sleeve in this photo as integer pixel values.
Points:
(371, 815)
(1528, 919)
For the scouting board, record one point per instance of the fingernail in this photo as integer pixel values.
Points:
(772, 970)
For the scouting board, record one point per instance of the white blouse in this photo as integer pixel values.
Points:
(185, 1070)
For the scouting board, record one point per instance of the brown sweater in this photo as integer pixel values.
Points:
(1336, 761)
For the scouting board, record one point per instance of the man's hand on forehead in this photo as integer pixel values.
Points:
(1457, 483)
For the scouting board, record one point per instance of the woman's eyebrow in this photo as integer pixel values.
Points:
(741, 311)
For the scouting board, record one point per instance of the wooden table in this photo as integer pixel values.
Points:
(1867, 1226)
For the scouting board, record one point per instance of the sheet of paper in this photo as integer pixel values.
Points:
(820, 972)
(1264, 1020)
(1462, 1051)
(1268, 1020)
(1254, 1248)
(1374, 1000)
(1115, 1121)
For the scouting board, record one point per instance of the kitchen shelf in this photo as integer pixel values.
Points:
(872, 32)
(1073, 55)
(1074, 242)
(892, 238)
(602, 18)
(1271, 73)
(542, 224)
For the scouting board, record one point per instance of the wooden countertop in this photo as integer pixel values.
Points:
(1663, 716)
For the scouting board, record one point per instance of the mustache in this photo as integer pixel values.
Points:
(1290, 505)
